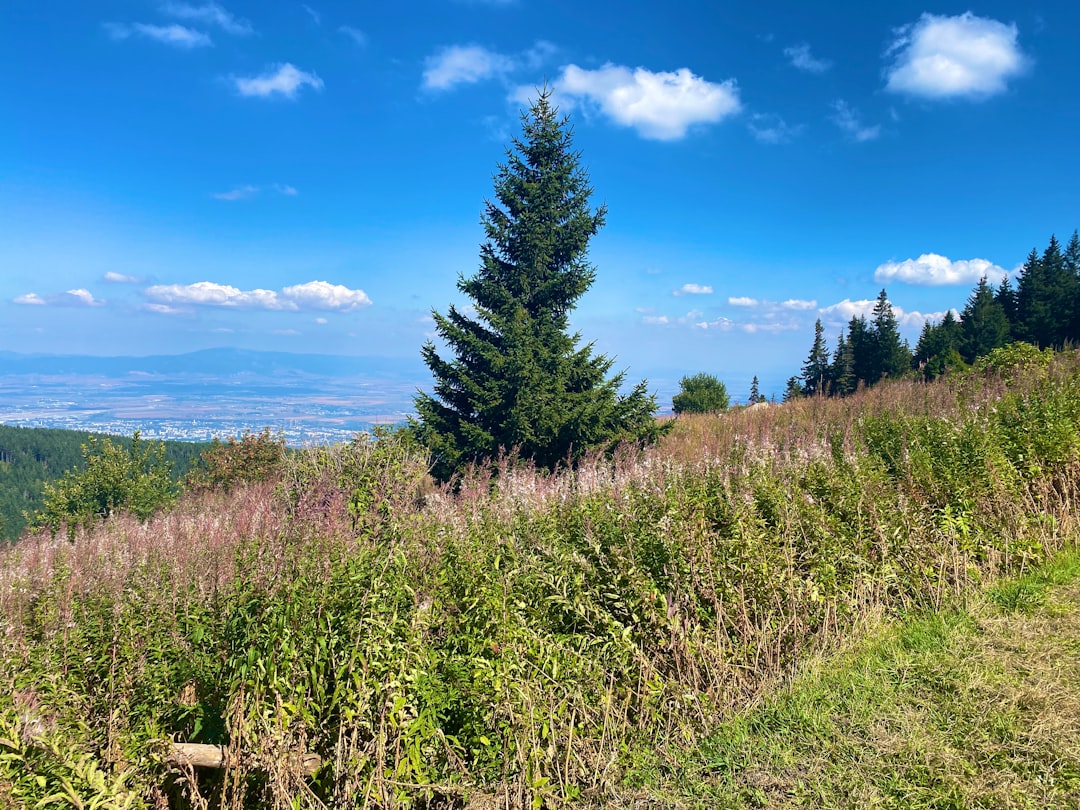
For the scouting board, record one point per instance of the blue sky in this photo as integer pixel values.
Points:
(309, 177)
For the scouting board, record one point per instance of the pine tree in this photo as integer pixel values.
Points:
(938, 347)
(815, 371)
(842, 371)
(793, 390)
(983, 325)
(891, 355)
(1006, 296)
(755, 392)
(519, 380)
(863, 356)
(1034, 319)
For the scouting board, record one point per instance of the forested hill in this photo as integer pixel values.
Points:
(31, 456)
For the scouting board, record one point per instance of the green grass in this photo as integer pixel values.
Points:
(967, 707)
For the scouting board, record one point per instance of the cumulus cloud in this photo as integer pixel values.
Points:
(312, 295)
(954, 57)
(178, 36)
(463, 64)
(743, 301)
(799, 304)
(843, 311)
(802, 59)
(694, 289)
(933, 270)
(208, 14)
(661, 106)
(848, 120)
(120, 278)
(30, 299)
(656, 320)
(285, 79)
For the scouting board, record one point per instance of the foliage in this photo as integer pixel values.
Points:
(250, 458)
(29, 457)
(700, 393)
(519, 382)
(550, 639)
(135, 479)
(815, 371)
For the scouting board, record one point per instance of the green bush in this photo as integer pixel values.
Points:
(701, 393)
(136, 479)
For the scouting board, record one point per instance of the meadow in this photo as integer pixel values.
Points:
(614, 635)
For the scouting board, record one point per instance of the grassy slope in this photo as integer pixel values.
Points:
(976, 706)
(551, 639)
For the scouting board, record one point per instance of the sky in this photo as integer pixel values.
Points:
(309, 177)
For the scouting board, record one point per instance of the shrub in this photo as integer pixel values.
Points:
(701, 393)
(136, 479)
(251, 458)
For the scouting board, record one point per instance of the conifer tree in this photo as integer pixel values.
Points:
(1006, 296)
(1034, 319)
(891, 355)
(518, 379)
(861, 343)
(983, 325)
(755, 392)
(842, 371)
(938, 347)
(815, 371)
(793, 390)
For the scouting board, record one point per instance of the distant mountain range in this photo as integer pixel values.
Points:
(216, 362)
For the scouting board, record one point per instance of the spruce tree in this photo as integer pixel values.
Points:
(938, 347)
(1034, 318)
(815, 371)
(519, 381)
(842, 371)
(891, 355)
(755, 392)
(983, 325)
(1006, 296)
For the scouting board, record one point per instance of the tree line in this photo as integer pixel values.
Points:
(1042, 309)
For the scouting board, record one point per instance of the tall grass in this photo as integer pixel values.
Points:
(523, 638)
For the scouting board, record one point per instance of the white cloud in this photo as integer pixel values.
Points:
(285, 79)
(72, 298)
(323, 295)
(286, 332)
(656, 320)
(847, 309)
(848, 120)
(661, 106)
(355, 34)
(238, 193)
(78, 298)
(932, 270)
(769, 326)
(176, 35)
(802, 59)
(843, 311)
(120, 278)
(312, 295)
(954, 57)
(165, 309)
(321, 321)
(287, 190)
(721, 324)
(315, 15)
(772, 129)
(208, 14)
(743, 301)
(799, 304)
(463, 64)
(694, 289)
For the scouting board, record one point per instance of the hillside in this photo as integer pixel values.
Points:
(29, 457)
(617, 635)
